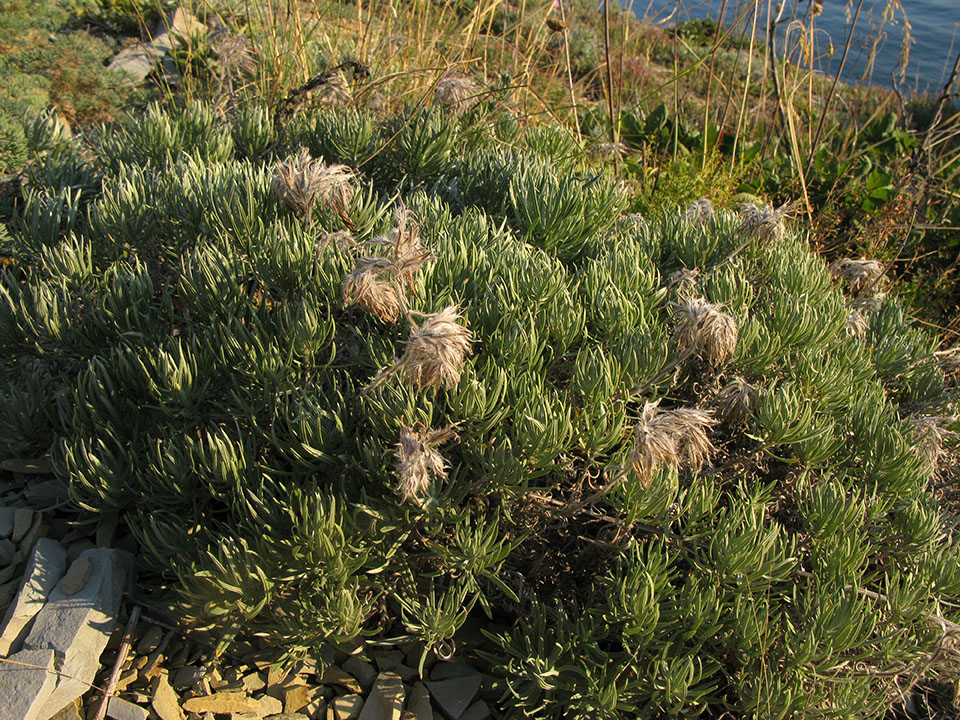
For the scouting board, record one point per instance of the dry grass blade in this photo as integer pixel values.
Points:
(704, 328)
(765, 224)
(455, 94)
(418, 461)
(435, 351)
(301, 181)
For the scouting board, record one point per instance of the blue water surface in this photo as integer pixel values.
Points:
(934, 31)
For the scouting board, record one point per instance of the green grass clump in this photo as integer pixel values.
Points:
(452, 377)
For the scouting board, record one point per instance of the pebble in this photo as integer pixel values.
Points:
(188, 676)
(22, 521)
(385, 701)
(361, 669)
(269, 706)
(165, 702)
(7, 551)
(222, 703)
(6, 522)
(76, 576)
(296, 698)
(455, 695)
(418, 702)
(120, 709)
(335, 676)
(253, 682)
(150, 640)
(347, 707)
(478, 711)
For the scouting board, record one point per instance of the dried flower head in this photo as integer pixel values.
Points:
(859, 274)
(234, 52)
(932, 434)
(857, 323)
(684, 279)
(301, 181)
(377, 283)
(736, 401)
(418, 460)
(371, 287)
(664, 438)
(764, 224)
(613, 150)
(455, 94)
(704, 328)
(949, 360)
(699, 211)
(867, 304)
(434, 353)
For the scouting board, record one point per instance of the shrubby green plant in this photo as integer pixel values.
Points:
(464, 382)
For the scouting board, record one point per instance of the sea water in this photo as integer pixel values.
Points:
(876, 52)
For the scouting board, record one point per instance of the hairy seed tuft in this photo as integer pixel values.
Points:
(704, 328)
(418, 460)
(665, 438)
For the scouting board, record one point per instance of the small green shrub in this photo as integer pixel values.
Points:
(332, 403)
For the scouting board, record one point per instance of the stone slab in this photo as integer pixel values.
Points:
(47, 564)
(25, 689)
(78, 626)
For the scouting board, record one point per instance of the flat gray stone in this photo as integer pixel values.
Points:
(362, 669)
(347, 707)
(7, 552)
(179, 23)
(136, 62)
(120, 709)
(385, 701)
(70, 712)
(455, 695)
(418, 702)
(25, 689)
(47, 565)
(6, 522)
(478, 711)
(78, 626)
(22, 521)
(450, 670)
(188, 676)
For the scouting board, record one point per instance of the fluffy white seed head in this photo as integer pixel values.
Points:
(665, 438)
(706, 329)
(435, 352)
(455, 94)
(765, 224)
(418, 461)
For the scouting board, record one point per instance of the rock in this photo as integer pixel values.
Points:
(22, 521)
(120, 709)
(179, 23)
(361, 669)
(222, 703)
(47, 565)
(188, 676)
(454, 695)
(78, 626)
(7, 552)
(477, 711)
(335, 676)
(385, 701)
(450, 670)
(70, 712)
(76, 576)
(25, 690)
(296, 698)
(136, 62)
(77, 548)
(244, 716)
(150, 640)
(268, 705)
(289, 716)
(316, 709)
(7, 592)
(6, 522)
(253, 682)
(165, 702)
(418, 702)
(125, 680)
(347, 707)
(38, 529)
(48, 493)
